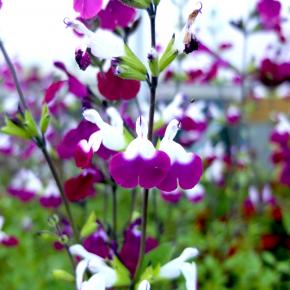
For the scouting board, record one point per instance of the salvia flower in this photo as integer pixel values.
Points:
(6, 240)
(281, 132)
(116, 15)
(25, 185)
(185, 168)
(108, 139)
(233, 115)
(140, 164)
(194, 195)
(179, 266)
(50, 197)
(103, 276)
(89, 8)
(102, 43)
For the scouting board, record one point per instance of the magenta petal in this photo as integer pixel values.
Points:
(10, 241)
(145, 172)
(116, 15)
(123, 171)
(52, 90)
(87, 8)
(22, 194)
(189, 174)
(152, 171)
(114, 88)
(66, 149)
(75, 86)
(50, 201)
(184, 175)
(82, 156)
(171, 197)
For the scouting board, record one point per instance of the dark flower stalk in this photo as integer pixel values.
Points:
(41, 144)
(153, 83)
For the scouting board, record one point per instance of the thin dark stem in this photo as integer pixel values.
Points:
(60, 188)
(41, 143)
(133, 204)
(14, 75)
(153, 86)
(114, 211)
(58, 230)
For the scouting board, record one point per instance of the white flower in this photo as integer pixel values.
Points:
(104, 276)
(144, 285)
(110, 135)
(179, 266)
(103, 43)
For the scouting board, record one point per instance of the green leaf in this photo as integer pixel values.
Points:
(90, 226)
(168, 56)
(141, 4)
(45, 118)
(157, 257)
(129, 73)
(123, 275)
(130, 59)
(12, 129)
(30, 124)
(60, 274)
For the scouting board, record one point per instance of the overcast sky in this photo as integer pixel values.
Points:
(33, 30)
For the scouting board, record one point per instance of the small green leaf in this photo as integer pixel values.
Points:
(168, 55)
(45, 118)
(12, 129)
(30, 124)
(123, 275)
(60, 274)
(141, 4)
(129, 73)
(130, 59)
(90, 226)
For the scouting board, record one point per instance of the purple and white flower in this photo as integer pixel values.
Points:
(185, 168)
(141, 164)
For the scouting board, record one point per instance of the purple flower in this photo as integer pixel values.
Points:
(74, 85)
(194, 195)
(116, 15)
(98, 243)
(269, 12)
(68, 146)
(105, 141)
(1, 4)
(114, 88)
(25, 185)
(185, 168)
(50, 198)
(140, 164)
(233, 115)
(88, 8)
(129, 253)
(6, 240)
(79, 187)
(83, 59)
(281, 132)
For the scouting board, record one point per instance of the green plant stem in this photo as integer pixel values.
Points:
(153, 86)
(41, 143)
(60, 188)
